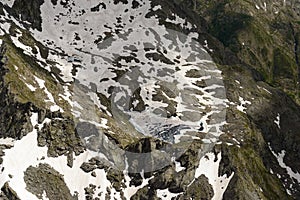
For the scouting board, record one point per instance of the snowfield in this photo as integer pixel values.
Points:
(164, 82)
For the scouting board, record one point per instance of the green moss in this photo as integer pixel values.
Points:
(21, 71)
(253, 175)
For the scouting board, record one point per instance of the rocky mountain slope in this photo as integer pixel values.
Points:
(132, 99)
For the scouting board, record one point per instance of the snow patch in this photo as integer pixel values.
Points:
(10, 3)
(26, 152)
(166, 194)
(7, 141)
(26, 49)
(262, 88)
(277, 120)
(129, 191)
(206, 46)
(280, 158)
(18, 159)
(155, 8)
(178, 167)
(242, 107)
(50, 99)
(44, 196)
(210, 168)
(182, 22)
(32, 88)
(5, 27)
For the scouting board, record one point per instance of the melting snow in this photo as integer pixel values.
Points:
(277, 120)
(166, 194)
(210, 168)
(41, 84)
(179, 20)
(129, 191)
(96, 64)
(5, 26)
(18, 159)
(7, 141)
(30, 87)
(242, 107)
(280, 158)
(96, 60)
(178, 167)
(10, 3)
(155, 8)
(206, 46)
(67, 95)
(265, 6)
(26, 152)
(27, 50)
(44, 196)
(262, 88)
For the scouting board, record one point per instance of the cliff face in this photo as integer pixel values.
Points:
(169, 99)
